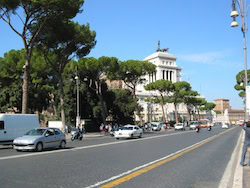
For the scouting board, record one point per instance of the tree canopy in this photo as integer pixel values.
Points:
(35, 15)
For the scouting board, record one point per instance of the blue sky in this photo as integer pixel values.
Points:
(197, 32)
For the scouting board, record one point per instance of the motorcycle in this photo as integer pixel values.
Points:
(197, 129)
(77, 134)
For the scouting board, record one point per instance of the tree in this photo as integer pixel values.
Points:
(179, 92)
(96, 71)
(133, 73)
(35, 16)
(121, 105)
(239, 86)
(199, 103)
(164, 88)
(11, 82)
(60, 42)
(189, 101)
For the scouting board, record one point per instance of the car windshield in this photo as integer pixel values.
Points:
(194, 122)
(204, 122)
(126, 128)
(35, 132)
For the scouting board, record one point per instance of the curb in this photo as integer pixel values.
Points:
(232, 177)
(238, 175)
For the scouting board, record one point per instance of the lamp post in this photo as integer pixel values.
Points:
(78, 118)
(243, 13)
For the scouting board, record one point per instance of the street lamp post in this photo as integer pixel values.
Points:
(78, 118)
(243, 14)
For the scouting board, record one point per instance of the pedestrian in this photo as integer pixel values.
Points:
(246, 128)
(102, 128)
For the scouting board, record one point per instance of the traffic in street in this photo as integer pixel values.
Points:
(158, 159)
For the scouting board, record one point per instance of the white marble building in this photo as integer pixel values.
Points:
(166, 69)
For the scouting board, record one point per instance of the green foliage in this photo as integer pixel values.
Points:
(133, 71)
(96, 71)
(209, 106)
(179, 92)
(36, 14)
(11, 75)
(122, 105)
(163, 86)
(239, 86)
(217, 112)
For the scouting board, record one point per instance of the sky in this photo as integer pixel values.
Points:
(197, 32)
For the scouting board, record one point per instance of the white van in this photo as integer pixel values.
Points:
(15, 125)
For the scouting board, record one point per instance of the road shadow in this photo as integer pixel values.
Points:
(6, 147)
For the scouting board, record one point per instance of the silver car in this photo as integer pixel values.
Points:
(39, 139)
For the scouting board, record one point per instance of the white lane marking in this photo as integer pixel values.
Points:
(152, 162)
(227, 179)
(92, 146)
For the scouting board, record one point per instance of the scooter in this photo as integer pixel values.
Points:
(76, 135)
(197, 129)
(209, 128)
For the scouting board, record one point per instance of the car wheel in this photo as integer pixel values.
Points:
(18, 150)
(39, 147)
(140, 135)
(62, 144)
(117, 138)
(132, 135)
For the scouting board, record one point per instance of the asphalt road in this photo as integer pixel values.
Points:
(162, 159)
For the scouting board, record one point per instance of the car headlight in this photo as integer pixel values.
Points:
(29, 141)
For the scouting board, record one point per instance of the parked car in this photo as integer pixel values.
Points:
(179, 126)
(193, 125)
(128, 131)
(39, 139)
(156, 126)
(224, 126)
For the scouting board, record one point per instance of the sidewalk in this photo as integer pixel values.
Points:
(244, 172)
(235, 175)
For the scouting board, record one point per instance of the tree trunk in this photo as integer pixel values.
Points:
(176, 114)
(103, 107)
(61, 94)
(163, 113)
(189, 115)
(199, 115)
(25, 84)
(138, 112)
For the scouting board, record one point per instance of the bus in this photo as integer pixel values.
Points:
(205, 123)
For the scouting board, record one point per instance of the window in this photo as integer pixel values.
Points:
(57, 132)
(1, 125)
(50, 132)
